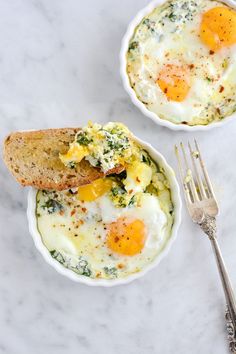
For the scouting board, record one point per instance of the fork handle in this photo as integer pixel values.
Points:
(208, 225)
(229, 295)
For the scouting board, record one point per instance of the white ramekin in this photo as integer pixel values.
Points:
(124, 48)
(31, 214)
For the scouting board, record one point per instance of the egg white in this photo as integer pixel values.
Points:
(57, 232)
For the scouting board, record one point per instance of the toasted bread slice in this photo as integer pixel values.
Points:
(33, 159)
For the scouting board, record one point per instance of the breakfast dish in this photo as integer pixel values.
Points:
(116, 225)
(181, 61)
(111, 226)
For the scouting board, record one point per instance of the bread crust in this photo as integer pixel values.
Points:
(33, 159)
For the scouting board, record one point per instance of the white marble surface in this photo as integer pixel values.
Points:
(59, 67)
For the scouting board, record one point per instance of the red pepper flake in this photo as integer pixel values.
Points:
(84, 210)
(221, 89)
(72, 212)
(191, 66)
(120, 265)
(79, 223)
(138, 180)
(61, 212)
(130, 191)
(218, 110)
(211, 52)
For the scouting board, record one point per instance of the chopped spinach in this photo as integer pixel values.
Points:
(181, 12)
(52, 206)
(117, 143)
(172, 17)
(150, 24)
(132, 200)
(111, 271)
(83, 139)
(82, 267)
(115, 191)
(58, 256)
(119, 197)
(133, 45)
(98, 163)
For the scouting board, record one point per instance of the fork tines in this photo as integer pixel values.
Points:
(196, 182)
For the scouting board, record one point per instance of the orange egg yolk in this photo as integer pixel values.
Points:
(218, 28)
(174, 82)
(94, 190)
(126, 237)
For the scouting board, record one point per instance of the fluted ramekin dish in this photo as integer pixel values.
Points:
(126, 83)
(32, 220)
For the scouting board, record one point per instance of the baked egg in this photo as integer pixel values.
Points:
(181, 61)
(116, 225)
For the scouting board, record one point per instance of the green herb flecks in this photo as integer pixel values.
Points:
(52, 206)
(150, 24)
(172, 17)
(58, 256)
(133, 45)
(115, 191)
(83, 139)
(120, 197)
(132, 201)
(111, 271)
(82, 268)
(116, 141)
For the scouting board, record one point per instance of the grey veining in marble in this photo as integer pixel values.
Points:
(59, 66)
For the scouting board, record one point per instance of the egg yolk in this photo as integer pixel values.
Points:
(139, 175)
(126, 237)
(76, 153)
(94, 190)
(173, 81)
(218, 28)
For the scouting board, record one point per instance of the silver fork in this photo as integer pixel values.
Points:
(203, 209)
